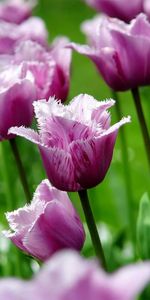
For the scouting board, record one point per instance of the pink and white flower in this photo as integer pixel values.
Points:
(49, 224)
(116, 48)
(76, 141)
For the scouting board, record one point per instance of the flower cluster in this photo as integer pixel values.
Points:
(76, 143)
(39, 70)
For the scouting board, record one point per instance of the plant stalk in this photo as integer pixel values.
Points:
(21, 170)
(92, 227)
(127, 171)
(143, 125)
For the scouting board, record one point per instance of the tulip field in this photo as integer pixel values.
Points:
(74, 150)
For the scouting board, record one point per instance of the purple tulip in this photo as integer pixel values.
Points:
(17, 93)
(67, 276)
(76, 141)
(50, 67)
(121, 9)
(11, 34)
(16, 11)
(117, 50)
(50, 223)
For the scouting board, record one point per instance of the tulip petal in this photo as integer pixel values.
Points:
(114, 128)
(27, 133)
(82, 49)
(46, 192)
(59, 167)
(13, 289)
(140, 26)
(130, 50)
(93, 111)
(122, 279)
(18, 100)
(34, 28)
(107, 62)
(55, 229)
(60, 132)
(16, 11)
(90, 159)
(20, 221)
(118, 9)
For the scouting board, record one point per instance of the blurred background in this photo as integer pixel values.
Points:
(109, 200)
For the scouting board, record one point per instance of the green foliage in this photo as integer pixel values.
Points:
(143, 227)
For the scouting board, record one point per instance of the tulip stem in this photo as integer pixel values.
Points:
(7, 181)
(126, 169)
(92, 227)
(8, 266)
(11, 204)
(144, 129)
(21, 170)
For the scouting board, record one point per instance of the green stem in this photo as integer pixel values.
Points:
(92, 227)
(144, 129)
(11, 204)
(126, 169)
(9, 192)
(7, 268)
(20, 169)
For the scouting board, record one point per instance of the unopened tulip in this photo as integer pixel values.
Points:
(117, 50)
(16, 11)
(17, 93)
(121, 9)
(67, 276)
(11, 34)
(76, 141)
(50, 223)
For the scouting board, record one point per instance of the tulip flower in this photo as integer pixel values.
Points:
(123, 10)
(16, 11)
(67, 276)
(117, 50)
(11, 34)
(17, 93)
(50, 223)
(76, 141)
(50, 67)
